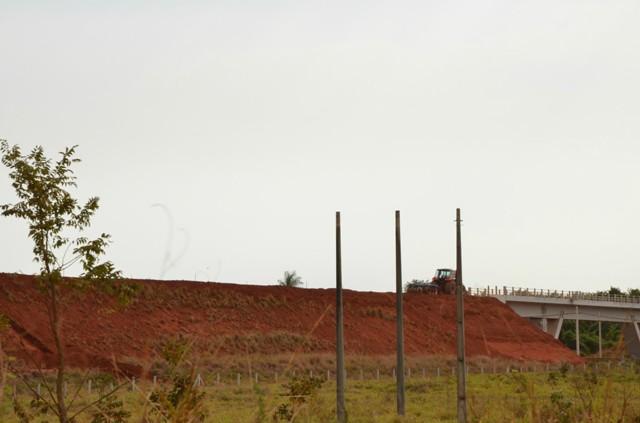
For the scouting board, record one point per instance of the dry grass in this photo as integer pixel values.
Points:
(605, 395)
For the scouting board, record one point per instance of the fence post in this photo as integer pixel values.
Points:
(89, 386)
(133, 384)
(238, 378)
(198, 381)
(377, 374)
(155, 380)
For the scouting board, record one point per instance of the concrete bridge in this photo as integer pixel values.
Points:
(549, 308)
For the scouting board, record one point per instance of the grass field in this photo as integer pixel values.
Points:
(584, 395)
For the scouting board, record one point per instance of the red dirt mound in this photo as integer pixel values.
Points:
(241, 319)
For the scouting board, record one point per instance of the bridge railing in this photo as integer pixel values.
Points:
(551, 293)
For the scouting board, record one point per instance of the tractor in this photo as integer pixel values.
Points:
(444, 282)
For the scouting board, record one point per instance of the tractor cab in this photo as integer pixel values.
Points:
(445, 274)
(445, 280)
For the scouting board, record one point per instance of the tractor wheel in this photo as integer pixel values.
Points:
(450, 288)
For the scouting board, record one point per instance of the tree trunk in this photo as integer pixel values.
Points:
(56, 327)
(3, 371)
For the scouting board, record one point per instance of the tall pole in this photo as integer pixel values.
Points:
(340, 376)
(462, 374)
(399, 320)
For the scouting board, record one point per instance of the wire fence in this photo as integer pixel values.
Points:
(35, 386)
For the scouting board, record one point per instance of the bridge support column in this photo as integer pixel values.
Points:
(554, 325)
(632, 338)
(577, 331)
(599, 336)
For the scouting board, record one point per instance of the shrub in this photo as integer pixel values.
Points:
(298, 391)
(183, 401)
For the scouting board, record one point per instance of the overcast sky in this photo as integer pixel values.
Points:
(222, 136)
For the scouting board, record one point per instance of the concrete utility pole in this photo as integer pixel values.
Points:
(340, 376)
(399, 320)
(461, 368)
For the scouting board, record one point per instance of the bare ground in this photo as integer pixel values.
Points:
(231, 319)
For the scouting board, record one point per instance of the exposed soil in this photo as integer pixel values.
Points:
(246, 319)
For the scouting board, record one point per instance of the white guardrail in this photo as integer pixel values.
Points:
(550, 293)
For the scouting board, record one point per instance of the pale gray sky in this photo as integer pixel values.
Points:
(253, 122)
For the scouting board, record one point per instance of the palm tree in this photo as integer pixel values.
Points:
(291, 279)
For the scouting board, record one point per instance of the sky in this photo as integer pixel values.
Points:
(223, 136)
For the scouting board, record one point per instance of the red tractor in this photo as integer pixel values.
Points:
(444, 282)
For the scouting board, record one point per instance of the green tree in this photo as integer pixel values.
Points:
(4, 362)
(589, 346)
(612, 291)
(51, 212)
(291, 279)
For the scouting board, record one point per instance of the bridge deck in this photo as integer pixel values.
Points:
(552, 293)
(549, 308)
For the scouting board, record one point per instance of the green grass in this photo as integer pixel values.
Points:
(559, 396)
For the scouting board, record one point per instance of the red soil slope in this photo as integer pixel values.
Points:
(240, 319)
